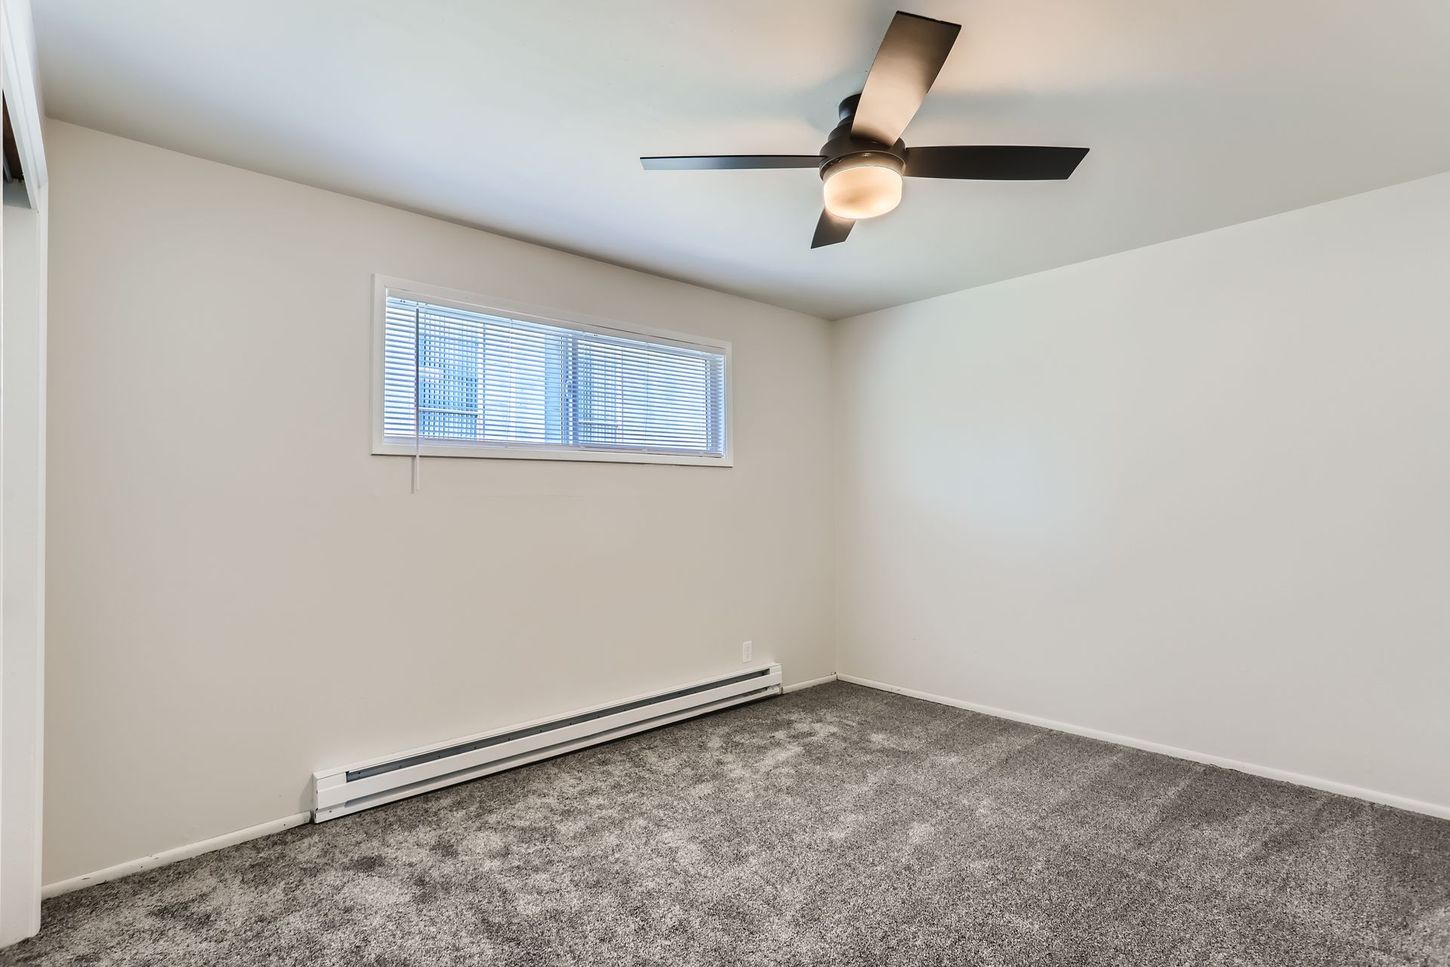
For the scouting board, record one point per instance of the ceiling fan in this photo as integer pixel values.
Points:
(864, 160)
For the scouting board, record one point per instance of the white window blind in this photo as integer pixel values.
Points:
(463, 378)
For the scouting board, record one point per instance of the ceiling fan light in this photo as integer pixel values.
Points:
(865, 188)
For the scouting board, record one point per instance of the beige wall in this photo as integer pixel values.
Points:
(241, 593)
(1191, 495)
(1194, 494)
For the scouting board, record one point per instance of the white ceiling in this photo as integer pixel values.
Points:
(527, 118)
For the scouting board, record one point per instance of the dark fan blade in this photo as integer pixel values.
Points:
(911, 55)
(993, 162)
(722, 162)
(831, 229)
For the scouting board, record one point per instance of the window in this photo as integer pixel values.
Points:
(461, 380)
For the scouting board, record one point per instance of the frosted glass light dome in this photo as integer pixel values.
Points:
(862, 190)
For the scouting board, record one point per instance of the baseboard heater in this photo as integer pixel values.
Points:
(348, 789)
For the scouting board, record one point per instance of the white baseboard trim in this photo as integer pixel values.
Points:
(823, 680)
(1313, 782)
(166, 857)
(1253, 769)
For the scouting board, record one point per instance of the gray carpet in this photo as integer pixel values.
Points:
(835, 826)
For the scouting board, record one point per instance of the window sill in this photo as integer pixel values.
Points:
(504, 451)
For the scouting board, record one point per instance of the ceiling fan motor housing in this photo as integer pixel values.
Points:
(842, 145)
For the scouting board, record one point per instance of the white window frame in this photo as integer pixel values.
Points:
(384, 285)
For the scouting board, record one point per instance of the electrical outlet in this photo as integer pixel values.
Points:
(747, 650)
